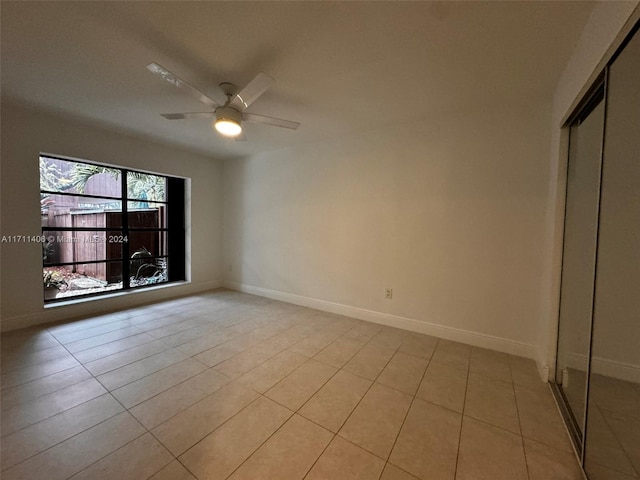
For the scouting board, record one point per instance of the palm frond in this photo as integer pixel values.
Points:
(50, 175)
(146, 186)
(82, 172)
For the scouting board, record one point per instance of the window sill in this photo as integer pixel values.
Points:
(75, 301)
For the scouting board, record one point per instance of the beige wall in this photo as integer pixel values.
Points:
(26, 133)
(448, 212)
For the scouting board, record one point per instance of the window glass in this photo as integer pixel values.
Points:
(146, 187)
(147, 215)
(96, 240)
(148, 243)
(64, 176)
(78, 211)
(145, 271)
(81, 279)
(73, 246)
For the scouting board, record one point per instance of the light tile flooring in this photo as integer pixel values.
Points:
(228, 385)
(613, 426)
(613, 429)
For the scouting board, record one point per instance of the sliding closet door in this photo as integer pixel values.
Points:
(613, 425)
(579, 256)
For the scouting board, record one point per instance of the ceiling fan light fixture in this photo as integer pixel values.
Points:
(228, 122)
(229, 117)
(228, 128)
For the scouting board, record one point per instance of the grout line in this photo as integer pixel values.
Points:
(231, 380)
(334, 435)
(110, 357)
(223, 423)
(286, 348)
(112, 452)
(77, 326)
(354, 408)
(99, 337)
(311, 396)
(262, 395)
(78, 433)
(177, 457)
(188, 406)
(365, 393)
(515, 400)
(20, 356)
(169, 387)
(168, 347)
(57, 413)
(106, 344)
(107, 391)
(373, 382)
(620, 445)
(100, 334)
(413, 398)
(162, 342)
(103, 386)
(186, 357)
(58, 390)
(7, 389)
(206, 331)
(259, 446)
(347, 361)
(462, 415)
(181, 463)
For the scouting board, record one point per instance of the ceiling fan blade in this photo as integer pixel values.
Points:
(182, 116)
(252, 91)
(178, 82)
(276, 122)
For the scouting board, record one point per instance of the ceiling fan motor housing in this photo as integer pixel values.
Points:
(228, 113)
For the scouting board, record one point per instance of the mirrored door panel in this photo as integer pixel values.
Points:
(579, 257)
(612, 446)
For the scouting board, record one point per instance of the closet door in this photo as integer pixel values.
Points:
(579, 257)
(613, 420)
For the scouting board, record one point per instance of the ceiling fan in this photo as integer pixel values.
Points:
(230, 115)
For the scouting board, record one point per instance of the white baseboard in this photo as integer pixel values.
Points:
(543, 371)
(100, 305)
(449, 333)
(620, 370)
(576, 361)
(628, 372)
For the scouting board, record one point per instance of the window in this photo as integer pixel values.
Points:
(108, 228)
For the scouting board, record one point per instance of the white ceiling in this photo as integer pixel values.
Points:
(340, 67)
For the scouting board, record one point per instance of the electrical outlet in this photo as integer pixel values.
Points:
(388, 293)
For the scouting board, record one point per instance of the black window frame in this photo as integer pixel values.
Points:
(174, 229)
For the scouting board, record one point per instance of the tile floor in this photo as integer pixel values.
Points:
(228, 385)
(613, 424)
(613, 429)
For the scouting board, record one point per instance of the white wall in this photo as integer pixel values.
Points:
(25, 134)
(606, 29)
(449, 212)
